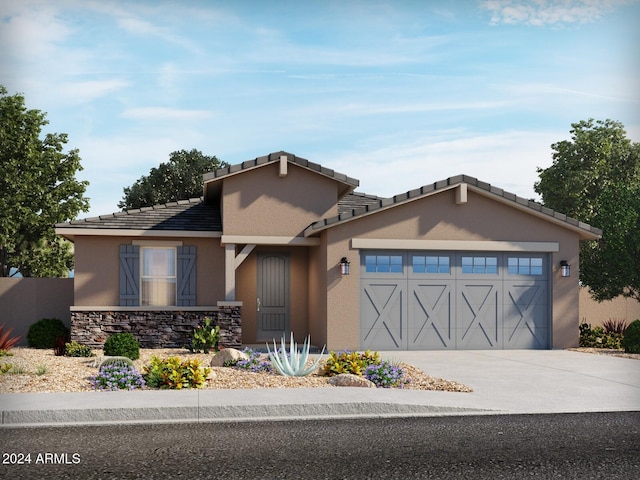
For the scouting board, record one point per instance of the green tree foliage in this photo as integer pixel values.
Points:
(38, 189)
(595, 178)
(611, 266)
(178, 179)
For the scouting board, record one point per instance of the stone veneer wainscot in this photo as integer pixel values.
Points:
(169, 327)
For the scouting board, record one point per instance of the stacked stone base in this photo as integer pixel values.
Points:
(155, 329)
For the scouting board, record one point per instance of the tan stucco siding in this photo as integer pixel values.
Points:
(97, 273)
(317, 294)
(439, 218)
(260, 202)
(618, 309)
(97, 269)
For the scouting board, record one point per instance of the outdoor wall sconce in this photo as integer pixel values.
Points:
(565, 268)
(344, 266)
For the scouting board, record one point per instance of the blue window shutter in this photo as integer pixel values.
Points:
(186, 276)
(129, 275)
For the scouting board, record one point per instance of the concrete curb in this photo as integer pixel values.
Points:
(17, 418)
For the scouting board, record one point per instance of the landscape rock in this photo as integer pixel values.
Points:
(351, 380)
(228, 354)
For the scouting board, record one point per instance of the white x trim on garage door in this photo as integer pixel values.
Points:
(419, 300)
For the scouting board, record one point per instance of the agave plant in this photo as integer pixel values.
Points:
(292, 363)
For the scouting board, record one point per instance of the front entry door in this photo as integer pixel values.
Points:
(272, 303)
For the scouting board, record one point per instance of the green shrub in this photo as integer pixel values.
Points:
(122, 345)
(350, 362)
(44, 333)
(174, 373)
(598, 337)
(75, 349)
(631, 339)
(204, 338)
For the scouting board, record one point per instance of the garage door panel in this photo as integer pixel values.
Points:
(431, 315)
(526, 313)
(383, 310)
(478, 315)
(527, 337)
(482, 337)
(455, 300)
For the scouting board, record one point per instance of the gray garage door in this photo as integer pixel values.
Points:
(416, 300)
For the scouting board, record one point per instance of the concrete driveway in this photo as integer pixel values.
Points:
(533, 381)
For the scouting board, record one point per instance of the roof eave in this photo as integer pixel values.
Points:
(349, 183)
(71, 232)
(585, 231)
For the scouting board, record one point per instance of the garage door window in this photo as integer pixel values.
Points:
(525, 266)
(480, 265)
(430, 264)
(383, 263)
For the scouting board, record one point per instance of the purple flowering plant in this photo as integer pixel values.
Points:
(117, 376)
(255, 363)
(386, 375)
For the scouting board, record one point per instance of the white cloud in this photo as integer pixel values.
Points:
(87, 91)
(549, 12)
(507, 160)
(30, 29)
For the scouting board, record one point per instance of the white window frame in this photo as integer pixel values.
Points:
(174, 277)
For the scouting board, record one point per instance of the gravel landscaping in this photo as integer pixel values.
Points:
(42, 371)
(608, 352)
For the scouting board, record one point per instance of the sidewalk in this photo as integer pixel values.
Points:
(504, 382)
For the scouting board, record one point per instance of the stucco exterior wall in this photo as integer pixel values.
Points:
(595, 313)
(24, 301)
(317, 295)
(438, 217)
(259, 202)
(98, 269)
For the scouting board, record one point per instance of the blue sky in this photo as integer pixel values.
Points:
(398, 94)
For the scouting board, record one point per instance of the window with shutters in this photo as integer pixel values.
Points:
(158, 276)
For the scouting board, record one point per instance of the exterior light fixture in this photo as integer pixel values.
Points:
(565, 268)
(344, 266)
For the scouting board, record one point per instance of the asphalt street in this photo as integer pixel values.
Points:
(568, 446)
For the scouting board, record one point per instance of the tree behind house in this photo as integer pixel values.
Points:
(178, 179)
(595, 178)
(38, 189)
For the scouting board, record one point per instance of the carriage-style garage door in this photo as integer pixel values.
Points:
(419, 300)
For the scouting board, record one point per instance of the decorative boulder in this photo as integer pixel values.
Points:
(351, 380)
(228, 354)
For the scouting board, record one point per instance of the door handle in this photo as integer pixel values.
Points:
(259, 304)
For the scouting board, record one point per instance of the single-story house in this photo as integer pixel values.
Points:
(279, 244)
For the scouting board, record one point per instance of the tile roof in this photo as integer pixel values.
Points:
(356, 200)
(274, 157)
(191, 215)
(479, 186)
